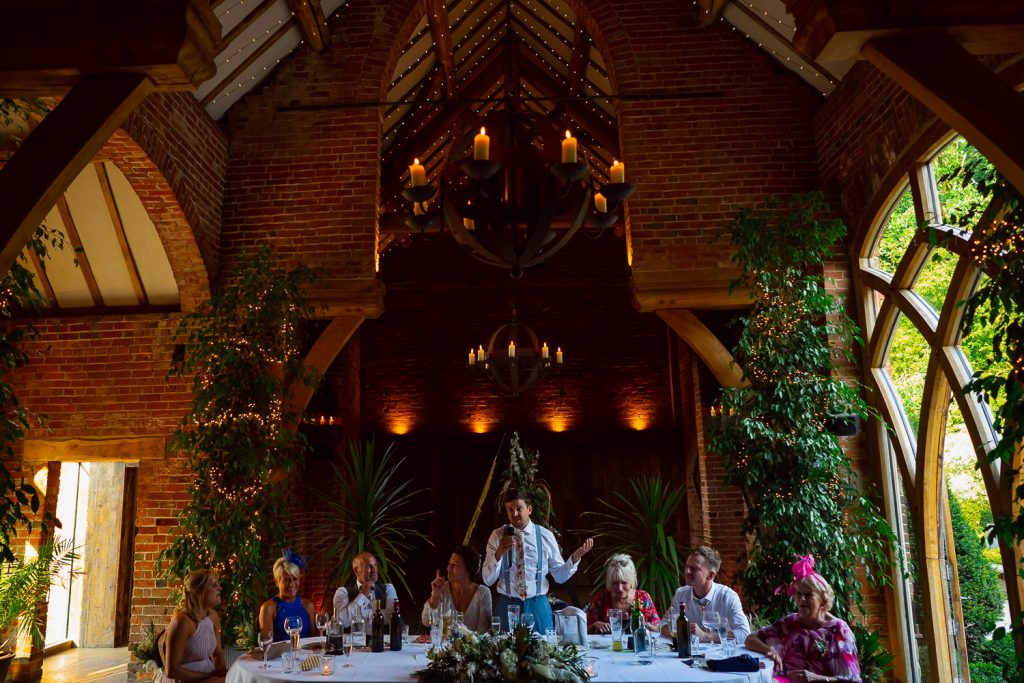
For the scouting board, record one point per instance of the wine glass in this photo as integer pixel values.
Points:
(293, 626)
(710, 621)
(265, 639)
(321, 624)
(529, 620)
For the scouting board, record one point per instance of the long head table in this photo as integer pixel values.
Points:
(397, 667)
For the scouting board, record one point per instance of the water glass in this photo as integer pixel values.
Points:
(615, 622)
(436, 633)
(288, 662)
(695, 650)
(496, 625)
(711, 622)
(551, 635)
(405, 633)
(729, 646)
(529, 620)
(644, 652)
(513, 617)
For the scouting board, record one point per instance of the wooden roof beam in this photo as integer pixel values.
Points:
(962, 91)
(580, 59)
(170, 42)
(437, 20)
(839, 29)
(708, 11)
(309, 15)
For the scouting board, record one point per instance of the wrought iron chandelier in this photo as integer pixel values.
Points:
(515, 203)
(515, 358)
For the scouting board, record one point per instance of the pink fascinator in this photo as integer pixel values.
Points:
(803, 567)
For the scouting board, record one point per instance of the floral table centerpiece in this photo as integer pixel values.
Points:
(519, 657)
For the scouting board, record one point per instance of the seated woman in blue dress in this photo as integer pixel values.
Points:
(287, 603)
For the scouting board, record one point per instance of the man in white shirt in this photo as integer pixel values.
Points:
(701, 594)
(364, 592)
(512, 556)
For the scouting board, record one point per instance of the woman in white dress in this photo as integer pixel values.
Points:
(461, 591)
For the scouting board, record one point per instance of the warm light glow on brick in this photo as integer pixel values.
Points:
(480, 426)
(400, 426)
(639, 422)
(558, 424)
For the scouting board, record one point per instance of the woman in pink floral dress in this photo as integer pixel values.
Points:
(811, 646)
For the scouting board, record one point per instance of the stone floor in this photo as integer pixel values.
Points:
(87, 665)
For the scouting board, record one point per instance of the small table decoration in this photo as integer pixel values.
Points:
(519, 656)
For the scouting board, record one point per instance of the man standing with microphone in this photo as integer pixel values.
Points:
(522, 555)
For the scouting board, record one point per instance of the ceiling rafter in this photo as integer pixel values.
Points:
(580, 59)
(122, 238)
(244, 25)
(490, 35)
(41, 275)
(437, 19)
(76, 246)
(222, 86)
(309, 14)
(708, 11)
(785, 41)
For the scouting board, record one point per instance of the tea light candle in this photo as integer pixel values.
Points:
(600, 203)
(482, 146)
(569, 149)
(417, 173)
(618, 172)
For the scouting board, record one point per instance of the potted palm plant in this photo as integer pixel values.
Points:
(24, 585)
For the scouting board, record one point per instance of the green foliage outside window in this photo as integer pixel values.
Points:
(242, 349)
(801, 493)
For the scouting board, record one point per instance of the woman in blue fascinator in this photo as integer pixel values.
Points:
(287, 603)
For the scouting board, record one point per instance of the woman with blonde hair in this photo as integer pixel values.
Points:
(619, 592)
(287, 602)
(193, 651)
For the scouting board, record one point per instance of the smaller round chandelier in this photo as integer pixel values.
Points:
(515, 358)
(517, 202)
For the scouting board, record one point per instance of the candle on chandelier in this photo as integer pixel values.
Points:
(472, 357)
(618, 172)
(417, 209)
(544, 353)
(417, 173)
(600, 203)
(558, 356)
(480, 354)
(569, 149)
(482, 146)
(512, 349)
(468, 223)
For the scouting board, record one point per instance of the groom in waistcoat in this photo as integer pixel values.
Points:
(363, 592)
(519, 559)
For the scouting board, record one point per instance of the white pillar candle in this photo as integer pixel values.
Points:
(472, 357)
(512, 349)
(618, 172)
(600, 203)
(544, 351)
(558, 356)
(569, 149)
(417, 173)
(482, 146)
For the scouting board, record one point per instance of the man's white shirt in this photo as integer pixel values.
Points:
(561, 570)
(721, 599)
(343, 607)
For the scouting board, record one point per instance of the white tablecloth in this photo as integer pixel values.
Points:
(397, 667)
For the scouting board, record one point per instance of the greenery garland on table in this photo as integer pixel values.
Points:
(802, 495)
(519, 657)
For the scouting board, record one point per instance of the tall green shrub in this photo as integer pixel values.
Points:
(801, 493)
(982, 599)
(242, 349)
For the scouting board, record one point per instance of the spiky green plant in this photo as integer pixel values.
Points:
(370, 510)
(24, 585)
(637, 524)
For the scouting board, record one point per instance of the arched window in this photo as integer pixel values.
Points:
(911, 276)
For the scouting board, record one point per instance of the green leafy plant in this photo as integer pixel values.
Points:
(636, 524)
(802, 495)
(146, 649)
(19, 500)
(370, 511)
(24, 585)
(506, 657)
(522, 474)
(981, 597)
(243, 350)
(875, 660)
